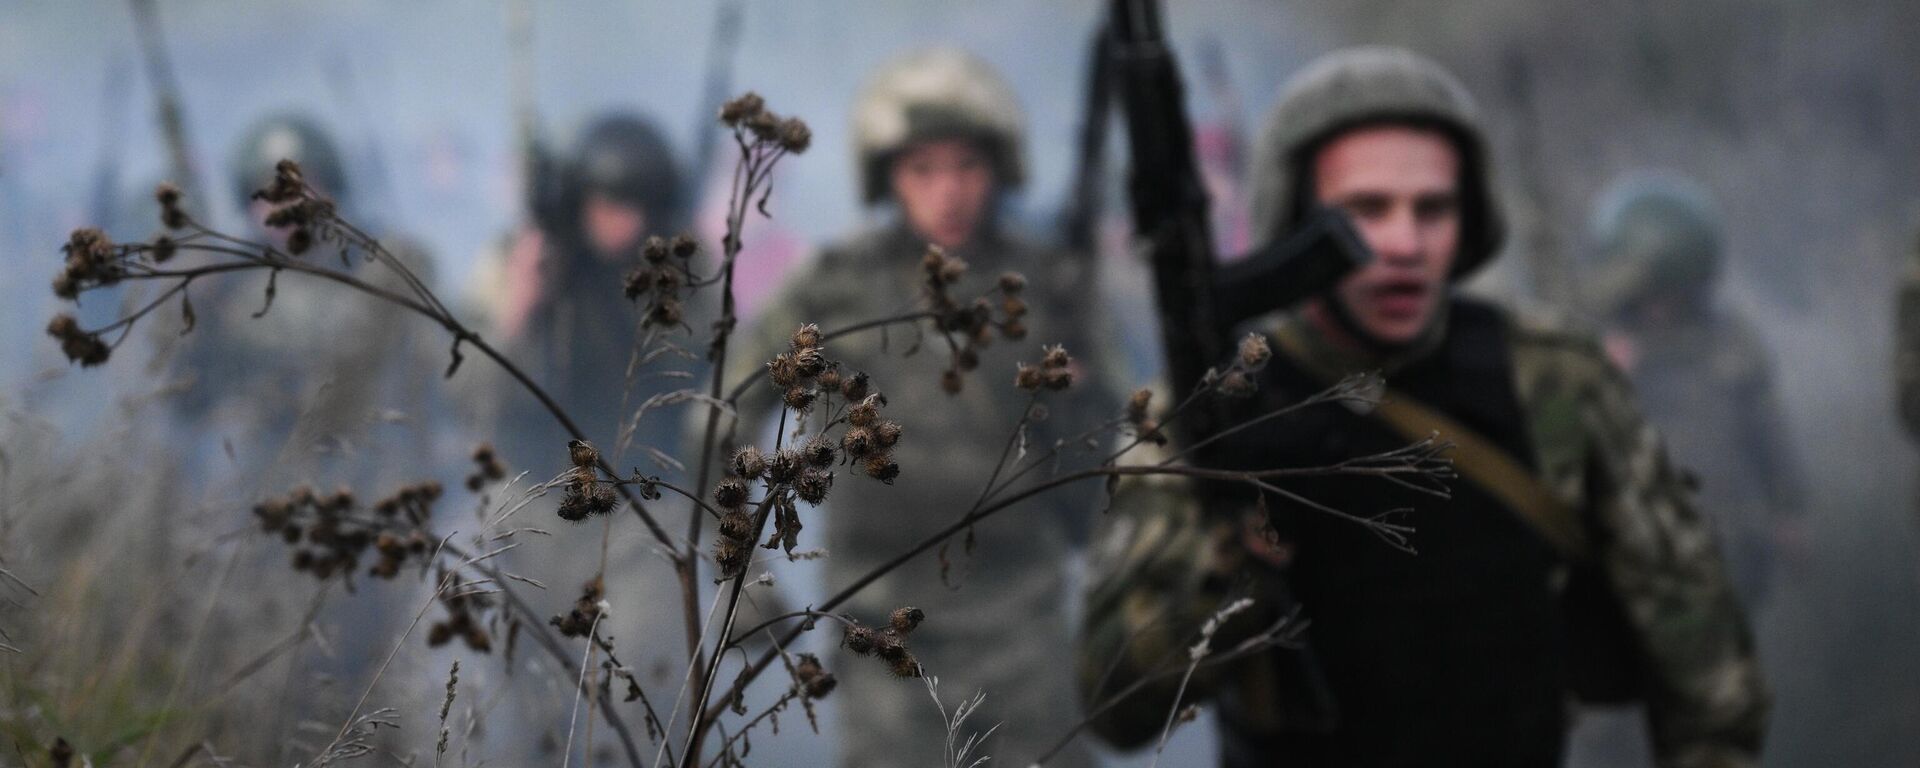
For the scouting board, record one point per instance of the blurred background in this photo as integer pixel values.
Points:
(1800, 120)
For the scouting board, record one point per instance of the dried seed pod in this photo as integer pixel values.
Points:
(906, 619)
(1137, 405)
(858, 442)
(813, 485)
(950, 382)
(748, 463)
(1235, 384)
(730, 493)
(854, 388)
(805, 337)
(737, 525)
(1012, 282)
(880, 466)
(886, 434)
(1254, 352)
(818, 452)
(860, 640)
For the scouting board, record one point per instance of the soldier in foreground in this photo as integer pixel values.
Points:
(939, 135)
(1701, 372)
(1468, 652)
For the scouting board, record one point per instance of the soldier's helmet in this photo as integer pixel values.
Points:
(625, 157)
(941, 93)
(1653, 233)
(1364, 86)
(293, 137)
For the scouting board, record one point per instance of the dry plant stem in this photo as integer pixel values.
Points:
(765, 625)
(699, 724)
(747, 174)
(438, 590)
(954, 528)
(726, 744)
(257, 256)
(1271, 637)
(580, 692)
(199, 631)
(543, 636)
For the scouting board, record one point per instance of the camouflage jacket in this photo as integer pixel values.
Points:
(1162, 564)
(1707, 383)
(1000, 627)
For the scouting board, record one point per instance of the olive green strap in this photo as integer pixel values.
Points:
(1476, 458)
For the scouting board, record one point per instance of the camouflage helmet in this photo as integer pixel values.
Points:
(1653, 232)
(288, 137)
(625, 157)
(936, 94)
(1363, 86)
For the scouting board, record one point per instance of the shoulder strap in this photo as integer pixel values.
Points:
(1478, 459)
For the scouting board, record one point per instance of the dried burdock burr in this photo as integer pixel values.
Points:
(813, 678)
(730, 493)
(748, 463)
(906, 619)
(1254, 352)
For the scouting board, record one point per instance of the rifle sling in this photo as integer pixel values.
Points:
(1476, 458)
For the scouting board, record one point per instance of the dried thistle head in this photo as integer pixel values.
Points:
(819, 452)
(1235, 384)
(805, 337)
(865, 412)
(78, 345)
(582, 453)
(906, 619)
(854, 388)
(795, 136)
(737, 525)
(812, 486)
(748, 463)
(881, 466)
(746, 105)
(730, 493)
(785, 465)
(1138, 404)
(799, 398)
(886, 434)
(732, 555)
(813, 678)
(858, 442)
(1254, 352)
(859, 639)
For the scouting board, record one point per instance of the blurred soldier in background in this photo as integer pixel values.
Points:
(1567, 560)
(1702, 373)
(298, 384)
(940, 136)
(557, 299)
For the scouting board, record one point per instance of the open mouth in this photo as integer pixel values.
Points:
(1401, 298)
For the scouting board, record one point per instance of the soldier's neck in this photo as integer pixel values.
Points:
(1341, 348)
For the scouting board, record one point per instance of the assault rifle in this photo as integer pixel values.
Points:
(1200, 304)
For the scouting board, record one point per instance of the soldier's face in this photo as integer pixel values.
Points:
(613, 228)
(1401, 186)
(944, 188)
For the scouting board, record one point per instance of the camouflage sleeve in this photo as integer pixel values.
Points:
(1707, 705)
(1152, 582)
(1907, 353)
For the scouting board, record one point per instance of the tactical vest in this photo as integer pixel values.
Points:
(1452, 655)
